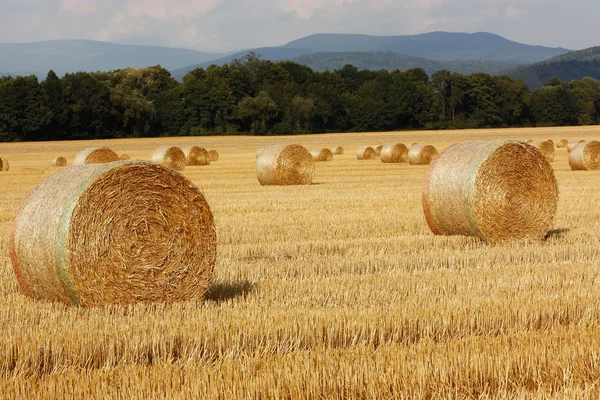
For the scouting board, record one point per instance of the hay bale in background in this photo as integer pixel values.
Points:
(377, 149)
(498, 190)
(530, 141)
(213, 155)
(562, 144)
(285, 165)
(124, 157)
(551, 142)
(421, 154)
(4, 164)
(585, 156)
(365, 153)
(573, 143)
(195, 155)
(323, 154)
(117, 233)
(546, 148)
(95, 155)
(170, 156)
(258, 151)
(338, 150)
(394, 153)
(59, 162)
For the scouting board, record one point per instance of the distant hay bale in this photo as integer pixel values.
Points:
(562, 144)
(124, 157)
(551, 142)
(546, 148)
(258, 151)
(394, 153)
(323, 154)
(285, 165)
(95, 155)
(496, 190)
(117, 233)
(338, 150)
(377, 149)
(365, 153)
(59, 162)
(170, 156)
(573, 143)
(195, 155)
(530, 141)
(213, 155)
(585, 156)
(421, 154)
(4, 164)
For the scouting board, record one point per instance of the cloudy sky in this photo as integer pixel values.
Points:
(224, 25)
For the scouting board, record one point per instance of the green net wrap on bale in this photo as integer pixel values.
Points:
(573, 143)
(498, 190)
(170, 156)
(365, 153)
(338, 150)
(562, 144)
(421, 154)
(4, 164)
(394, 153)
(195, 156)
(285, 165)
(321, 155)
(117, 233)
(95, 155)
(59, 162)
(585, 156)
(213, 155)
(546, 148)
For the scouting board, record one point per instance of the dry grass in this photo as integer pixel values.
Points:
(333, 290)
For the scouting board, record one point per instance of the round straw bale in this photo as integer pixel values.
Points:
(195, 155)
(116, 233)
(530, 141)
(573, 143)
(421, 154)
(496, 190)
(258, 151)
(124, 157)
(4, 164)
(546, 148)
(59, 162)
(365, 153)
(213, 155)
(377, 149)
(394, 153)
(551, 142)
(585, 156)
(95, 155)
(562, 144)
(285, 165)
(323, 154)
(338, 150)
(170, 156)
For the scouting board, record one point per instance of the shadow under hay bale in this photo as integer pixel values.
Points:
(227, 291)
(585, 156)
(337, 150)
(394, 153)
(285, 165)
(59, 162)
(365, 153)
(321, 155)
(170, 156)
(95, 155)
(573, 143)
(421, 154)
(498, 190)
(546, 148)
(195, 155)
(213, 155)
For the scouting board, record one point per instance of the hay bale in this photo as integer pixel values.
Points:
(562, 144)
(546, 148)
(213, 155)
(530, 141)
(365, 153)
(258, 151)
(496, 190)
(421, 154)
(59, 162)
(338, 150)
(170, 156)
(573, 143)
(117, 233)
(394, 153)
(377, 149)
(95, 155)
(323, 154)
(551, 142)
(585, 156)
(285, 165)
(195, 155)
(124, 157)
(4, 164)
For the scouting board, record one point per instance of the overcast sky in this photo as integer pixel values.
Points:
(224, 25)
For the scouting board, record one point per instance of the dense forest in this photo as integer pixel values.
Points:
(261, 97)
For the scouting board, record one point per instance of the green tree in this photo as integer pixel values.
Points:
(260, 110)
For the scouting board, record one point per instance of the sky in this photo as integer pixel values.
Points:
(227, 25)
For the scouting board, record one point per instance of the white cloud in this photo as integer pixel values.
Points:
(78, 6)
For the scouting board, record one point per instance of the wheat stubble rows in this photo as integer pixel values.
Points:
(335, 290)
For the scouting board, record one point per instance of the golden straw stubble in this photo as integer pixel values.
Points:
(322, 154)
(170, 156)
(365, 153)
(394, 153)
(421, 154)
(195, 155)
(95, 155)
(285, 165)
(585, 156)
(117, 233)
(498, 190)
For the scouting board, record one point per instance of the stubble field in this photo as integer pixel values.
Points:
(333, 290)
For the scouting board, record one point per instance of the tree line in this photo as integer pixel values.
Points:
(261, 97)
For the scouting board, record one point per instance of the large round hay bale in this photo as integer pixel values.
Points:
(546, 148)
(585, 156)
(59, 162)
(338, 150)
(323, 154)
(498, 190)
(365, 153)
(4, 166)
(195, 155)
(124, 157)
(213, 155)
(285, 165)
(573, 143)
(421, 154)
(116, 233)
(394, 153)
(377, 149)
(562, 144)
(170, 156)
(95, 155)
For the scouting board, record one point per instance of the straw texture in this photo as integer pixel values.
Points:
(59, 162)
(213, 155)
(170, 156)
(124, 157)
(394, 153)
(498, 190)
(117, 233)
(338, 150)
(95, 155)
(573, 143)
(562, 144)
(258, 151)
(377, 149)
(365, 153)
(4, 166)
(285, 165)
(195, 156)
(421, 154)
(585, 156)
(546, 148)
(321, 155)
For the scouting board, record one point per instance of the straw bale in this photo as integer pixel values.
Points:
(394, 153)
(338, 150)
(496, 190)
(285, 165)
(258, 151)
(585, 156)
(562, 144)
(117, 233)
(323, 154)
(530, 141)
(551, 142)
(95, 155)
(421, 154)
(59, 162)
(365, 153)
(546, 148)
(213, 155)
(195, 155)
(377, 149)
(170, 156)
(124, 157)
(4, 166)
(573, 143)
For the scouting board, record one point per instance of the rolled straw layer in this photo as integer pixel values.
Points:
(546, 148)
(170, 156)
(377, 149)
(95, 155)
(59, 162)
(573, 143)
(124, 157)
(421, 154)
(585, 156)
(258, 151)
(394, 153)
(338, 150)
(562, 144)
(195, 155)
(4, 166)
(285, 165)
(213, 155)
(498, 190)
(116, 233)
(365, 153)
(321, 154)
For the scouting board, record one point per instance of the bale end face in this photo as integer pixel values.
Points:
(124, 157)
(338, 150)
(4, 166)
(365, 153)
(585, 156)
(196, 156)
(171, 156)
(394, 153)
(546, 148)
(421, 154)
(321, 155)
(59, 162)
(95, 155)
(562, 144)
(213, 155)
(285, 165)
